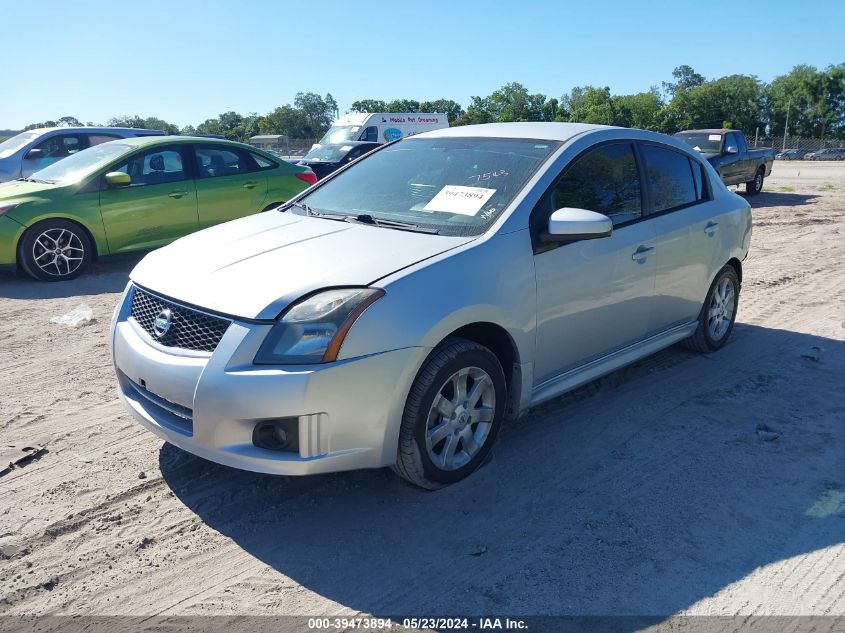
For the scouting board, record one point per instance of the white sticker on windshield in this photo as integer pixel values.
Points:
(714, 137)
(457, 199)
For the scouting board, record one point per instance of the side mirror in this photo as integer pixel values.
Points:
(730, 149)
(34, 154)
(118, 179)
(571, 225)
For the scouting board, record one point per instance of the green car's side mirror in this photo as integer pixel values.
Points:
(118, 179)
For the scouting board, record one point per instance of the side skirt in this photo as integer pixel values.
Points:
(569, 380)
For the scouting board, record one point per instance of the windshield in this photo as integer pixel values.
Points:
(454, 186)
(80, 165)
(702, 141)
(12, 145)
(328, 153)
(340, 134)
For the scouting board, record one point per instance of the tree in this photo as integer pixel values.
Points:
(685, 78)
(511, 102)
(369, 105)
(737, 101)
(588, 104)
(638, 110)
(150, 123)
(69, 121)
(815, 101)
(286, 120)
(452, 109)
(319, 112)
(402, 105)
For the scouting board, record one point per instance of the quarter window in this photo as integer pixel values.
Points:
(96, 139)
(154, 167)
(670, 178)
(606, 181)
(215, 161)
(263, 163)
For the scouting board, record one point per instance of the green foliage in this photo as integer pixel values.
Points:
(150, 123)
(511, 102)
(815, 101)
(368, 105)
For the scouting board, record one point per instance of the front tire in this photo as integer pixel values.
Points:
(753, 187)
(452, 415)
(55, 250)
(718, 314)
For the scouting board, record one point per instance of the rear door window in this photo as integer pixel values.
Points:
(214, 161)
(671, 180)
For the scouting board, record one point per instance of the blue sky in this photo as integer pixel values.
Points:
(188, 60)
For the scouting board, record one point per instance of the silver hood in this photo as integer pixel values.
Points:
(256, 266)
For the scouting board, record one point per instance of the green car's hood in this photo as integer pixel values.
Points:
(24, 189)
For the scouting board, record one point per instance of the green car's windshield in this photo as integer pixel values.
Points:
(702, 142)
(328, 153)
(452, 186)
(12, 145)
(340, 134)
(82, 164)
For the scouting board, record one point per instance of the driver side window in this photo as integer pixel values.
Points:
(154, 167)
(605, 180)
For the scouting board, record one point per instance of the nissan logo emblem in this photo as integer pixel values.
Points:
(163, 323)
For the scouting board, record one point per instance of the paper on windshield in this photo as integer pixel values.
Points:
(714, 137)
(461, 200)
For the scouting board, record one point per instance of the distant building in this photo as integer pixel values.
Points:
(269, 141)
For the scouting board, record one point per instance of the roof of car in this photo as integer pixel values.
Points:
(98, 128)
(528, 130)
(712, 130)
(140, 141)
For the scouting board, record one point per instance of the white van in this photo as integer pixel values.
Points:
(381, 127)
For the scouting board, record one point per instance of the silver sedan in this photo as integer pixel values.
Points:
(399, 311)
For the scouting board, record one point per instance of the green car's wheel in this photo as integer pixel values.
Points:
(55, 250)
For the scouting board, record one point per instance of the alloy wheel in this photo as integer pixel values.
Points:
(460, 418)
(721, 310)
(58, 252)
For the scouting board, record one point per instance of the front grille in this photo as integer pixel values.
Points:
(190, 329)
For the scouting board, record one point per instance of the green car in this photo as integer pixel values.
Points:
(134, 194)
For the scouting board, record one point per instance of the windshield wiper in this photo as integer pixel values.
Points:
(366, 218)
(45, 182)
(300, 205)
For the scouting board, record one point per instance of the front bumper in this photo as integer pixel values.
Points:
(208, 404)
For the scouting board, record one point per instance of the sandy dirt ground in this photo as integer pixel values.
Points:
(681, 484)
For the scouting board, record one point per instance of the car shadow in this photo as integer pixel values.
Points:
(641, 493)
(779, 199)
(104, 276)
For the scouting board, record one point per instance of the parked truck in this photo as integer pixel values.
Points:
(728, 152)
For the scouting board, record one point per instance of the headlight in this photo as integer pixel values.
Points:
(5, 208)
(313, 330)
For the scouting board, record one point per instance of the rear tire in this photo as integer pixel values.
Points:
(55, 250)
(718, 314)
(452, 415)
(753, 187)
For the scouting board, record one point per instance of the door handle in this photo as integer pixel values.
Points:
(177, 194)
(711, 228)
(641, 253)
(250, 185)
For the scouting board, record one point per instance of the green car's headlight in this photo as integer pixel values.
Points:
(313, 330)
